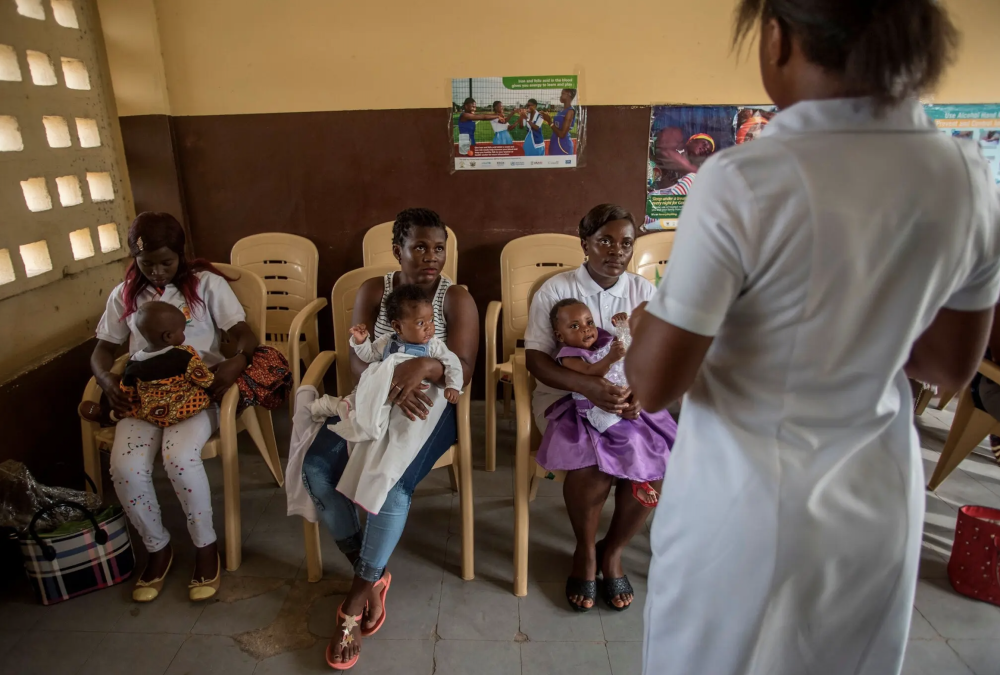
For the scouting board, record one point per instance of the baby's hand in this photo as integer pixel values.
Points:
(619, 318)
(451, 395)
(617, 352)
(359, 333)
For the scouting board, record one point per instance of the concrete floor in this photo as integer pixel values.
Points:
(268, 619)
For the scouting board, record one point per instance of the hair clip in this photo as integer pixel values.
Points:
(138, 244)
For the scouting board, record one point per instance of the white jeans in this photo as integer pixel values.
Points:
(136, 445)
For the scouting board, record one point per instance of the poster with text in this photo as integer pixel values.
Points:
(975, 123)
(516, 123)
(681, 139)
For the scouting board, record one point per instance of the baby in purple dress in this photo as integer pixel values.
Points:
(579, 434)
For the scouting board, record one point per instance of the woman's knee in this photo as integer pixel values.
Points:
(590, 476)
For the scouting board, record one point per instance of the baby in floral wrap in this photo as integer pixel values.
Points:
(166, 382)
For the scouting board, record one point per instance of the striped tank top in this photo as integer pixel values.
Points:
(382, 325)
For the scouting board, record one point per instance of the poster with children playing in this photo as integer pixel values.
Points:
(681, 139)
(975, 123)
(532, 122)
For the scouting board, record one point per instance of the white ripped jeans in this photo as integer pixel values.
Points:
(136, 445)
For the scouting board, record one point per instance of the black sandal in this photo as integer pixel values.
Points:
(611, 588)
(586, 588)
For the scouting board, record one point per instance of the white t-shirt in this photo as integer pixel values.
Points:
(789, 526)
(624, 296)
(222, 311)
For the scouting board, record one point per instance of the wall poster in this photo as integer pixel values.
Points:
(533, 122)
(681, 139)
(975, 123)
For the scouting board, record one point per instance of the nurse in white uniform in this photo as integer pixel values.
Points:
(814, 269)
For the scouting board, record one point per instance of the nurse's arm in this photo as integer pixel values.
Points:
(663, 360)
(949, 351)
(995, 337)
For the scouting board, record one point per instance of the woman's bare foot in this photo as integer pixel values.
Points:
(156, 565)
(585, 568)
(611, 568)
(373, 611)
(206, 562)
(345, 643)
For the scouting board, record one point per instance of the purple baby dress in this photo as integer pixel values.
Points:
(636, 450)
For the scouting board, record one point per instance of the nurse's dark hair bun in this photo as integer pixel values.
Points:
(887, 49)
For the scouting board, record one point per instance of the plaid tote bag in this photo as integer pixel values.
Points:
(79, 557)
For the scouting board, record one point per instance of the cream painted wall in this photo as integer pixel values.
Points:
(133, 46)
(38, 321)
(256, 56)
(49, 320)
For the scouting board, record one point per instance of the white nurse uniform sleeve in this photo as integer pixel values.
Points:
(706, 272)
(981, 288)
(111, 328)
(220, 300)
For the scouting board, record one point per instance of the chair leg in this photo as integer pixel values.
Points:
(522, 481)
(92, 456)
(261, 429)
(968, 429)
(231, 493)
(465, 491)
(945, 399)
(453, 475)
(314, 554)
(533, 490)
(508, 391)
(923, 399)
(491, 421)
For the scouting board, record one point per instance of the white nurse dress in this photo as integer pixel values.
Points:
(787, 537)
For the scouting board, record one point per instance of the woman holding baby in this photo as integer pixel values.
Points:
(419, 244)
(594, 427)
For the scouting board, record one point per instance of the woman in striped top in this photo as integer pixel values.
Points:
(418, 242)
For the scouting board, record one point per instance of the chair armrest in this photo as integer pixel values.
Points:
(464, 409)
(492, 321)
(92, 392)
(522, 404)
(989, 370)
(295, 330)
(318, 369)
(230, 401)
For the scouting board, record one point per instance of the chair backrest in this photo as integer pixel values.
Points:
(522, 262)
(289, 265)
(345, 290)
(376, 248)
(651, 253)
(252, 294)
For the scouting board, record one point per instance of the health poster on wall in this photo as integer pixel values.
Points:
(681, 139)
(975, 123)
(516, 123)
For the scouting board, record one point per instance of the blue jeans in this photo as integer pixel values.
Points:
(322, 468)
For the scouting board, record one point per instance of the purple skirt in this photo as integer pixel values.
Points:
(635, 450)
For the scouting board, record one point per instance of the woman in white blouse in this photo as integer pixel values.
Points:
(849, 246)
(607, 234)
(160, 271)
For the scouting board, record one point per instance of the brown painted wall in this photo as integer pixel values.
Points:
(39, 420)
(152, 165)
(329, 176)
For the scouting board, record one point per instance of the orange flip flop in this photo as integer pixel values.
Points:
(351, 622)
(385, 581)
